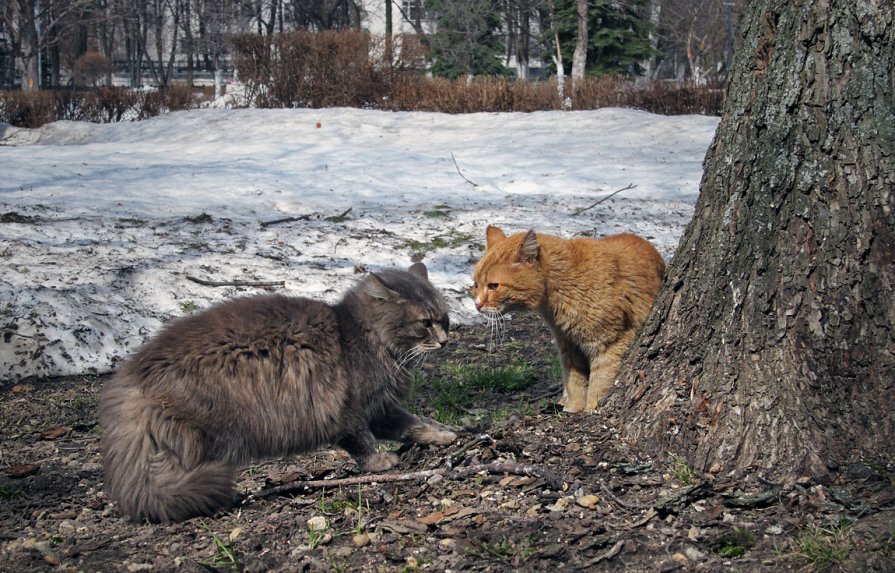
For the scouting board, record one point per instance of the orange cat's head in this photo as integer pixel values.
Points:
(508, 276)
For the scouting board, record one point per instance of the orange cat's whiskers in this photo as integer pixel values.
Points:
(497, 332)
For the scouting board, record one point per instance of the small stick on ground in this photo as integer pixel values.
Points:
(262, 284)
(265, 224)
(616, 192)
(615, 499)
(461, 173)
(612, 552)
(554, 480)
(328, 483)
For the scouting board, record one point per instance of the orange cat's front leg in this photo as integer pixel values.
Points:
(574, 375)
(603, 372)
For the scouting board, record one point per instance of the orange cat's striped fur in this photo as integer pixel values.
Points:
(594, 294)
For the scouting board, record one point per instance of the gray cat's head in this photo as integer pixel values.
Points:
(406, 311)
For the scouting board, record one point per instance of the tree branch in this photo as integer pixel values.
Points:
(461, 173)
(265, 224)
(616, 192)
(554, 480)
(262, 284)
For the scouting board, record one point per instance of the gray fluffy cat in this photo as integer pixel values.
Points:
(261, 377)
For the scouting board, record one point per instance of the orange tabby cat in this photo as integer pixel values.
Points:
(594, 294)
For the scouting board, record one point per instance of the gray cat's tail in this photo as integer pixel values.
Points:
(153, 461)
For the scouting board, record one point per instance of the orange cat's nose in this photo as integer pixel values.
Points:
(478, 305)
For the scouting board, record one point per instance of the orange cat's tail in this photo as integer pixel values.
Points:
(153, 461)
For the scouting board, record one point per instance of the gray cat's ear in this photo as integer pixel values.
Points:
(377, 289)
(493, 235)
(419, 269)
(529, 250)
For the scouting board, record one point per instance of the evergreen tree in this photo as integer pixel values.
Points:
(466, 41)
(618, 37)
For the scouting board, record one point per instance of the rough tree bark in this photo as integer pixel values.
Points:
(771, 348)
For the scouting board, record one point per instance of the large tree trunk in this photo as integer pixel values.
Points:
(770, 348)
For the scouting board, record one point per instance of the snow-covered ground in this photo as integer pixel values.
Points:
(100, 225)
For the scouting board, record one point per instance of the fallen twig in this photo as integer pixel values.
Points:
(609, 554)
(262, 284)
(461, 173)
(620, 502)
(356, 480)
(552, 479)
(455, 455)
(616, 192)
(265, 224)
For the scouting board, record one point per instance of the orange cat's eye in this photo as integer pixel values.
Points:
(493, 286)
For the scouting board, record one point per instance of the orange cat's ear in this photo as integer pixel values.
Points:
(529, 250)
(493, 235)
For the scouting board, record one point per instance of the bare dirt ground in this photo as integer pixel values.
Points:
(524, 488)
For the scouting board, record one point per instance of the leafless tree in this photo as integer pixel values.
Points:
(697, 37)
(34, 26)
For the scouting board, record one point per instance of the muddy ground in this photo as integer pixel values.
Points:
(524, 488)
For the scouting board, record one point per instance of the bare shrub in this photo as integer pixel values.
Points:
(100, 105)
(92, 67)
(309, 69)
(27, 109)
(174, 97)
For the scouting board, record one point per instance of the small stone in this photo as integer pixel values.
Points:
(534, 510)
(680, 559)
(588, 501)
(561, 504)
(774, 530)
(360, 540)
(343, 552)
(693, 554)
(317, 523)
(67, 526)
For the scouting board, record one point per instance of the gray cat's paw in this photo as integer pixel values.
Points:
(379, 462)
(432, 435)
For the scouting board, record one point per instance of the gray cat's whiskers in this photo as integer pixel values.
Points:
(414, 356)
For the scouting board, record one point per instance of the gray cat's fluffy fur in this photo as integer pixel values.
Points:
(261, 377)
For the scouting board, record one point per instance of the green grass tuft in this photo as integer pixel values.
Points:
(458, 387)
(736, 543)
(822, 547)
